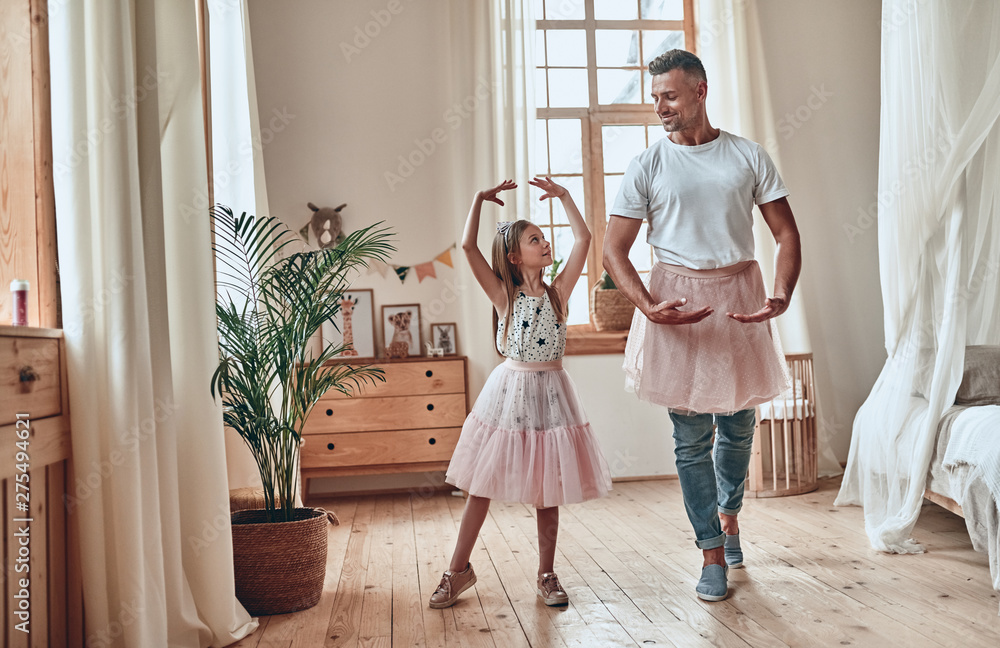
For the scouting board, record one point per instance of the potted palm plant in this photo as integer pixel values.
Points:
(272, 301)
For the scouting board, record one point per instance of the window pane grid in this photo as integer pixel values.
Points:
(607, 43)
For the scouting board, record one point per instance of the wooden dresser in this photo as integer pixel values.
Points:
(36, 477)
(409, 423)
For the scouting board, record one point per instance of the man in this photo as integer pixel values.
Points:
(701, 342)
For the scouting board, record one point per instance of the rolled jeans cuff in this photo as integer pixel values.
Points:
(711, 543)
(735, 511)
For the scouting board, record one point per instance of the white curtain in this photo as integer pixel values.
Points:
(739, 101)
(512, 27)
(492, 50)
(939, 241)
(237, 157)
(138, 305)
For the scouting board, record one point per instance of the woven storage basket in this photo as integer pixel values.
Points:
(279, 566)
(610, 310)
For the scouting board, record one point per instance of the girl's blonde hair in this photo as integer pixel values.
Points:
(506, 241)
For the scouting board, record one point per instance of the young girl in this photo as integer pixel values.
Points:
(527, 438)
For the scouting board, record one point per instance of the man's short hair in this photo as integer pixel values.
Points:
(678, 58)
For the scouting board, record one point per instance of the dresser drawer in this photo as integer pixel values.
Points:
(37, 357)
(408, 378)
(377, 448)
(374, 414)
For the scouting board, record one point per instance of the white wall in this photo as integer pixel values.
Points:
(339, 125)
(342, 119)
(823, 65)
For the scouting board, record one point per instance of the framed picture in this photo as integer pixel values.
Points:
(444, 336)
(353, 325)
(401, 330)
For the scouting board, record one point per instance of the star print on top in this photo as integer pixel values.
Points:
(540, 337)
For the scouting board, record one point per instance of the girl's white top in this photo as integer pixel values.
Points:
(535, 333)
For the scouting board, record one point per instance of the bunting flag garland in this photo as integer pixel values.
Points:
(445, 258)
(423, 270)
(381, 267)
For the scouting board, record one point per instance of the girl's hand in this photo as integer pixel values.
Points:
(491, 194)
(551, 189)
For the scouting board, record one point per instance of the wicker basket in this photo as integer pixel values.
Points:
(610, 310)
(279, 566)
(241, 499)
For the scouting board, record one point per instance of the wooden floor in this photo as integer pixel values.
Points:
(630, 566)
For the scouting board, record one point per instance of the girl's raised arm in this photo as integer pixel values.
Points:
(480, 266)
(570, 273)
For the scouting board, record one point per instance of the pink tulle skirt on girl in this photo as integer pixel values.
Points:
(717, 365)
(528, 440)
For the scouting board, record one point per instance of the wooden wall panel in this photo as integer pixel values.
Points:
(18, 256)
(47, 290)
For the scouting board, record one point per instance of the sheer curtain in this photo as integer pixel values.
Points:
(492, 50)
(939, 241)
(138, 306)
(730, 46)
(237, 156)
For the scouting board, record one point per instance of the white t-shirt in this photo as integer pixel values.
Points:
(699, 199)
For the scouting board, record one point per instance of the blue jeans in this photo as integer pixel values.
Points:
(712, 486)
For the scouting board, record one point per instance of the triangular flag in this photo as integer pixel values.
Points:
(445, 258)
(381, 267)
(401, 272)
(425, 270)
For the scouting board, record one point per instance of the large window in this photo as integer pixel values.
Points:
(594, 110)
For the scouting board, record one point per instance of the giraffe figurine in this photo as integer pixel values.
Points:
(347, 308)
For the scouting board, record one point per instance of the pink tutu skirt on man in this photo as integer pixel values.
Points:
(717, 365)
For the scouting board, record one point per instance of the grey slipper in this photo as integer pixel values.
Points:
(712, 586)
(734, 555)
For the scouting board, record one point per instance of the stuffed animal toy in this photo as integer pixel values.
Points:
(401, 337)
(327, 226)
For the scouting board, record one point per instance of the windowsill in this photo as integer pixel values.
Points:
(582, 339)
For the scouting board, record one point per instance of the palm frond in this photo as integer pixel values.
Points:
(273, 302)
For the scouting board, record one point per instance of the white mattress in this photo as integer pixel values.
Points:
(966, 468)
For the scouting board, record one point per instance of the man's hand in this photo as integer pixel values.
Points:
(667, 313)
(773, 306)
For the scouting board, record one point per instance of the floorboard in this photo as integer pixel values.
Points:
(629, 564)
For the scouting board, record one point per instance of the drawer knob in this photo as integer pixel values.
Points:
(429, 373)
(329, 412)
(432, 441)
(329, 446)
(28, 374)
(430, 407)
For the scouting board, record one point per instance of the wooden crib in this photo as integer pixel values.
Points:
(783, 460)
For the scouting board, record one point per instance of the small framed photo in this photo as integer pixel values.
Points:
(444, 336)
(401, 330)
(353, 326)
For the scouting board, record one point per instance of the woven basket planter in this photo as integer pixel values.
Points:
(610, 310)
(279, 566)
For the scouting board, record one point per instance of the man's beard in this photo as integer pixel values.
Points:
(676, 124)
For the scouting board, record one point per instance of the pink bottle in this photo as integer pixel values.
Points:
(19, 308)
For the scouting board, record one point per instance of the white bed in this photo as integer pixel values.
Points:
(964, 474)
